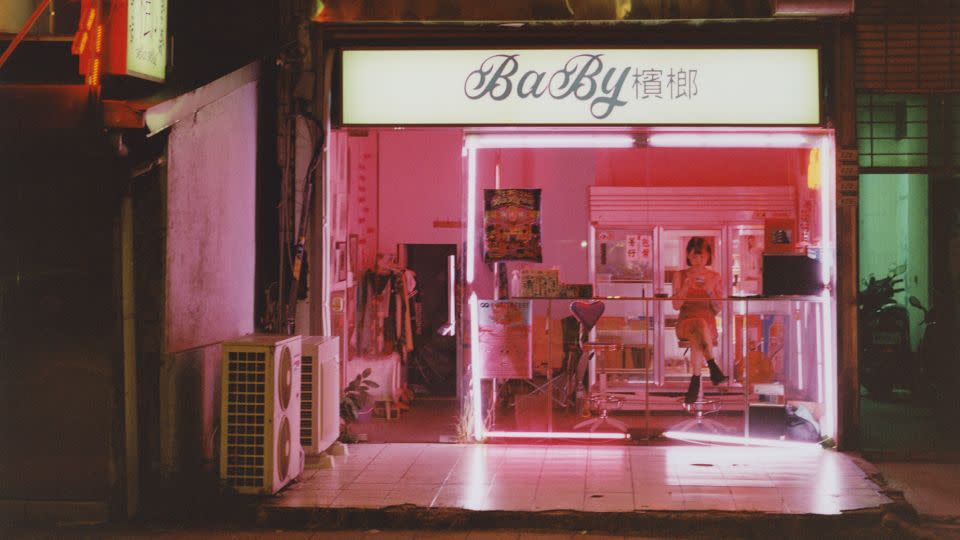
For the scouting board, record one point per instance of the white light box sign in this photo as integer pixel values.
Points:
(589, 86)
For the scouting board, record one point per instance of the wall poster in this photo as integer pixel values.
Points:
(506, 339)
(511, 225)
(779, 235)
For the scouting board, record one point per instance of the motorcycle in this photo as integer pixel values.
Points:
(884, 336)
(934, 362)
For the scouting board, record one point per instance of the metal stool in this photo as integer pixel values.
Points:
(701, 407)
(602, 400)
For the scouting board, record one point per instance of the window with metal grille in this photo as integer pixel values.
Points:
(892, 130)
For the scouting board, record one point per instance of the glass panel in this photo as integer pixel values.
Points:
(545, 218)
(782, 368)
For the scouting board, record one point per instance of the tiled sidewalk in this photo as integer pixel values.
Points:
(587, 478)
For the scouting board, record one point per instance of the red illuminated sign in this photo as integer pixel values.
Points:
(122, 37)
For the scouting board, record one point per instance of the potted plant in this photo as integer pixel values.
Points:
(355, 400)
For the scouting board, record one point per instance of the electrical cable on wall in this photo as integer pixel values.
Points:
(299, 249)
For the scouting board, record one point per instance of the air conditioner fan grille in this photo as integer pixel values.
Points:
(306, 400)
(245, 418)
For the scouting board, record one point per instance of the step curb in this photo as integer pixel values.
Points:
(650, 522)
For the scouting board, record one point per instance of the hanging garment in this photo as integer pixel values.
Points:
(373, 308)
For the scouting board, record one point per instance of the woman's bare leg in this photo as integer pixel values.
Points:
(694, 333)
(700, 347)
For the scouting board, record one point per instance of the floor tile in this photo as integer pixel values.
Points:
(541, 505)
(757, 499)
(608, 502)
(670, 501)
(505, 490)
(586, 477)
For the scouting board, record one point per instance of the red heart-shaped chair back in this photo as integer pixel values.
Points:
(588, 313)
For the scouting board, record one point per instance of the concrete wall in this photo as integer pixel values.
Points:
(209, 278)
(210, 223)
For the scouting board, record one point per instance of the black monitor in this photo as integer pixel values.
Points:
(790, 274)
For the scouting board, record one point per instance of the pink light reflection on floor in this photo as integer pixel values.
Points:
(589, 478)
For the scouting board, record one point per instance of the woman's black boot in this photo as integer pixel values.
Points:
(716, 376)
(693, 391)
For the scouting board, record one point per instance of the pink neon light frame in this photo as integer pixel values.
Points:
(713, 137)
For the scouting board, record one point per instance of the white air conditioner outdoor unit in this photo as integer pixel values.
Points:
(260, 448)
(320, 393)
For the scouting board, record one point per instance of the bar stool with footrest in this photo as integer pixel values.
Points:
(601, 400)
(588, 313)
(700, 408)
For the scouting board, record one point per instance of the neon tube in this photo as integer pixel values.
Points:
(729, 439)
(476, 402)
(821, 354)
(829, 422)
(729, 140)
(827, 229)
(551, 141)
(471, 211)
(556, 435)
(799, 334)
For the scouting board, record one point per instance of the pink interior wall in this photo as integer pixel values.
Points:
(563, 176)
(363, 199)
(701, 166)
(420, 179)
(420, 182)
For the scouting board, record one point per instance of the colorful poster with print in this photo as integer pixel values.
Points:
(511, 224)
(506, 339)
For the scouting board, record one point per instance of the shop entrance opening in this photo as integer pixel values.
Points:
(540, 218)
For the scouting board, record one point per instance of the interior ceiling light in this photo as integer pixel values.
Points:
(600, 140)
(730, 140)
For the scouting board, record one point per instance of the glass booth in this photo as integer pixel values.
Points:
(573, 244)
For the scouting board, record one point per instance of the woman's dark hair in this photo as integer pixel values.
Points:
(699, 244)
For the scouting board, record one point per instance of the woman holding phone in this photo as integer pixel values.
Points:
(694, 289)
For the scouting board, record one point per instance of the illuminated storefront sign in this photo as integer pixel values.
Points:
(138, 39)
(603, 86)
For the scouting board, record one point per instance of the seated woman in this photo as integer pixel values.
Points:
(696, 322)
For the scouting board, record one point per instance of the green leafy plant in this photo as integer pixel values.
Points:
(354, 401)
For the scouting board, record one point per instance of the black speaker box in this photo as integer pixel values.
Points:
(791, 275)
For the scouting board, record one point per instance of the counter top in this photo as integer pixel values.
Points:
(780, 298)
